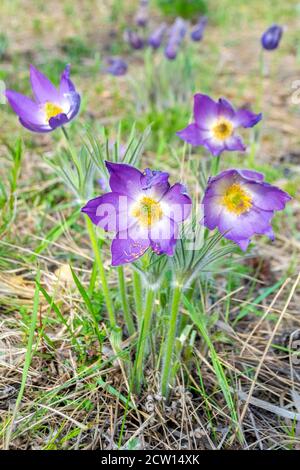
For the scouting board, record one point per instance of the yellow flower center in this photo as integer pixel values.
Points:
(147, 211)
(237, 200)
(52, 110)
(222, 129)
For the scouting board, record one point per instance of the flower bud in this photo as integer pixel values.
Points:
(134, 40)
(271, 38)
(197, 33)
(157, 36)
(116, 66)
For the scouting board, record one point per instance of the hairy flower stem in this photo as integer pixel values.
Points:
(125, 305)
(138, 296)
(215, 166)
(72, 150)
(99, 263)
(170, 340)
(143, 336)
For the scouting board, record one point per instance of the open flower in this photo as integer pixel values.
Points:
(215, 125)
(271, 38)
(143, 209)
(240, 204)
(51, 108)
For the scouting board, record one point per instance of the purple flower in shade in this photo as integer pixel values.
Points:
(134, 40)
(197, 33)
(176, 36)
(157, 36)
(240, 204)
(143, 209)
(215, 125)
(51, 108)
(116, 66)
(271, 38)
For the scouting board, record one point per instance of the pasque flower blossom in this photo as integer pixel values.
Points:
(51, 107)
(143, 209)
(241, 204)
(215, 124)
(271, 38)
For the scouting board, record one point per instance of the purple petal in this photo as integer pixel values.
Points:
(155, 182)
(225, 109)
(193, 135)
(58, 120)
(25, 108)
(42, 88)
(176, 203)
(66, 85)
(268, 197)
(235, 143)
(125, 249)
(124, 179)
(245, 118)
(110, 211)
(163, 236)
(214, 146)
(40, 128)
(205, 110)
(251, 175)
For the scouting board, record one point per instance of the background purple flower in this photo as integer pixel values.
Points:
(155, 39)
(240, 204)
(116, 66)
(51, 108)
(143, 209)
(271, 38)
(215, 124)
(176, 36)
(197, 33)
(134, 40)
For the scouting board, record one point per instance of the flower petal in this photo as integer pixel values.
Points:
(40, 128)
(225, 109)
(163, 236)
(111, 211)
(205, 110)
(235, 143)
(58, 120)
(124, 179)
(42, 88)
(245, 118)
(125, 249)
(194, 135)
(176, 203)
(268, 197)
(25, 108)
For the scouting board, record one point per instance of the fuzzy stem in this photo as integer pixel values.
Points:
(125, 304)
(138, 296)
(144, 334)
(170, 340)
(99, 263)
(215, 165)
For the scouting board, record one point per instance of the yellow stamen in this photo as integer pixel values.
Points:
(222, 129)
(237, 200)
(147, 211)
(52, 110)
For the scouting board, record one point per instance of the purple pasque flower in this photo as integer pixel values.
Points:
(197, 33)
(134, 40)
(271, 38)
(215, 124)
(176, 36)
(156, 38)
(143, 209)
(240, 204)
(116, 66)
(142, 16)
(51, 107)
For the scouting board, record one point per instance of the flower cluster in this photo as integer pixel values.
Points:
(143, 209)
